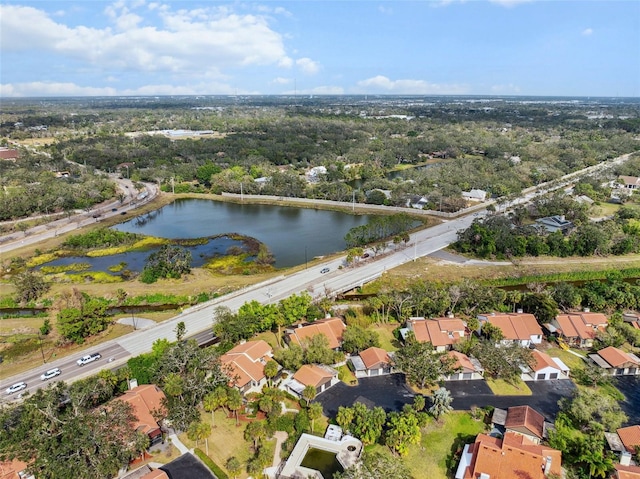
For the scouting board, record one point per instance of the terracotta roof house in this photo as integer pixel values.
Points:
(320, 377)
(441, 332)
(616, 361)
(545, 368)
(522, 420)
(466, 367)
(14, 470)
(632, 318)
(626, 472)
(372, 362)
(580, 329)
(522, 328)
(630, 437)
(8, 153)
(332, 328)
(244, 364)
(508, 458)
(630, 182)
(146, 400)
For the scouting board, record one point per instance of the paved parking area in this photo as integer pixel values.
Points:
(389, 392)
(630, 387)
(544, 398)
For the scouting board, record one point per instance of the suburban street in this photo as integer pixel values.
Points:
(200, 318)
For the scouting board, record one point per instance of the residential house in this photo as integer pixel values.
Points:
(372, 362)
(617, 362)
(630, 182)
(522, 420)
(465, 367)
(474, 195)
(8, 153)
(332, 328)
(632, 318)
(626, 472)
(320, 377)
(521, 328)
(147, 404)
(442, 333)
(314, 174)
(579, 329)
(14, 470)
(551, 224)
(630, 437)
(511, 457)
(545, 368)
(244, 364)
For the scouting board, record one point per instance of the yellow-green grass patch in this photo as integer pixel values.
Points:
(346, 376)
(571, 360)
(439, 439)
(269, 337)
(385, 332)
(500, 387)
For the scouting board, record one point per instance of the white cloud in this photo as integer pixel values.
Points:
(384, 85)
(194, 41)
(281, 81)
(587, 31)
(385, 10)
(308, 66)
(36, 89)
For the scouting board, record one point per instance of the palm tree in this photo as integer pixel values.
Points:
(215, 399)
(198, 431)
(233, 466)
(270, 370)
(234, 401)
(314, 412)
(309, 393)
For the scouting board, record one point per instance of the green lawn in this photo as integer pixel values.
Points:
(571, 360)
(503, 388)
(387, 341)
(439, 439)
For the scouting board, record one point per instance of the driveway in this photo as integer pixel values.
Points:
(630, 387)
(544, 398)
(390, 392)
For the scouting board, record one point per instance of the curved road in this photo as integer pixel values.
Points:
(200, 317)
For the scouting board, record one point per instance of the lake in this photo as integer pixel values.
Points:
(294, 235)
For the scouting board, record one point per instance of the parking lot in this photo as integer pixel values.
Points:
(389, 392)
(630, 387)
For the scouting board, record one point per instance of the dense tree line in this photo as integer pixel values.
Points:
(380, 227)
(501, 237)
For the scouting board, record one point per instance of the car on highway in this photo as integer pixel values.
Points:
(123, 212)
(89, 358)
(114, 209)
(324, 270)
(51, 373)
(16, 387)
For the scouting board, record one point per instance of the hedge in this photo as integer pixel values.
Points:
(219, 473)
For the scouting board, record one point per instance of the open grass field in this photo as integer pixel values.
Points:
(385, 331)
(503, 388)
(439, 439)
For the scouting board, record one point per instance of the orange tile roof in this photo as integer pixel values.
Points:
(516, 326)
(510, 458)
(374, 357)
(245, 362)
(616, 357)
(523, 419)
(626, 472)
(312, 375)
(332, 328)
(630, 437)
(145, 399)
(439, 332)
(581, 325)
(543, 360)
(461, 361)
(11, 469)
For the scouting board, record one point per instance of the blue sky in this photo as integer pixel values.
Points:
(481, 47)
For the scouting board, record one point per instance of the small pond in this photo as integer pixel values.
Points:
(323, 461)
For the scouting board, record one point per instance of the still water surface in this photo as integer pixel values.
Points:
(293, 235)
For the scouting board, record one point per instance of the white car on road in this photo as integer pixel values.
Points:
(51, 373)
(89, 358)
(16, 387)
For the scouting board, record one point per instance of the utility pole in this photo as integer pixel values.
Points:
(241, 194)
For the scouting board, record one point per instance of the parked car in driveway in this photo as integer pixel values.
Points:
(88, 359)
(324, 270)
(16, 387)
(51, 373)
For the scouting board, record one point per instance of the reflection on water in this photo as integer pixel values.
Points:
(289, 232)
